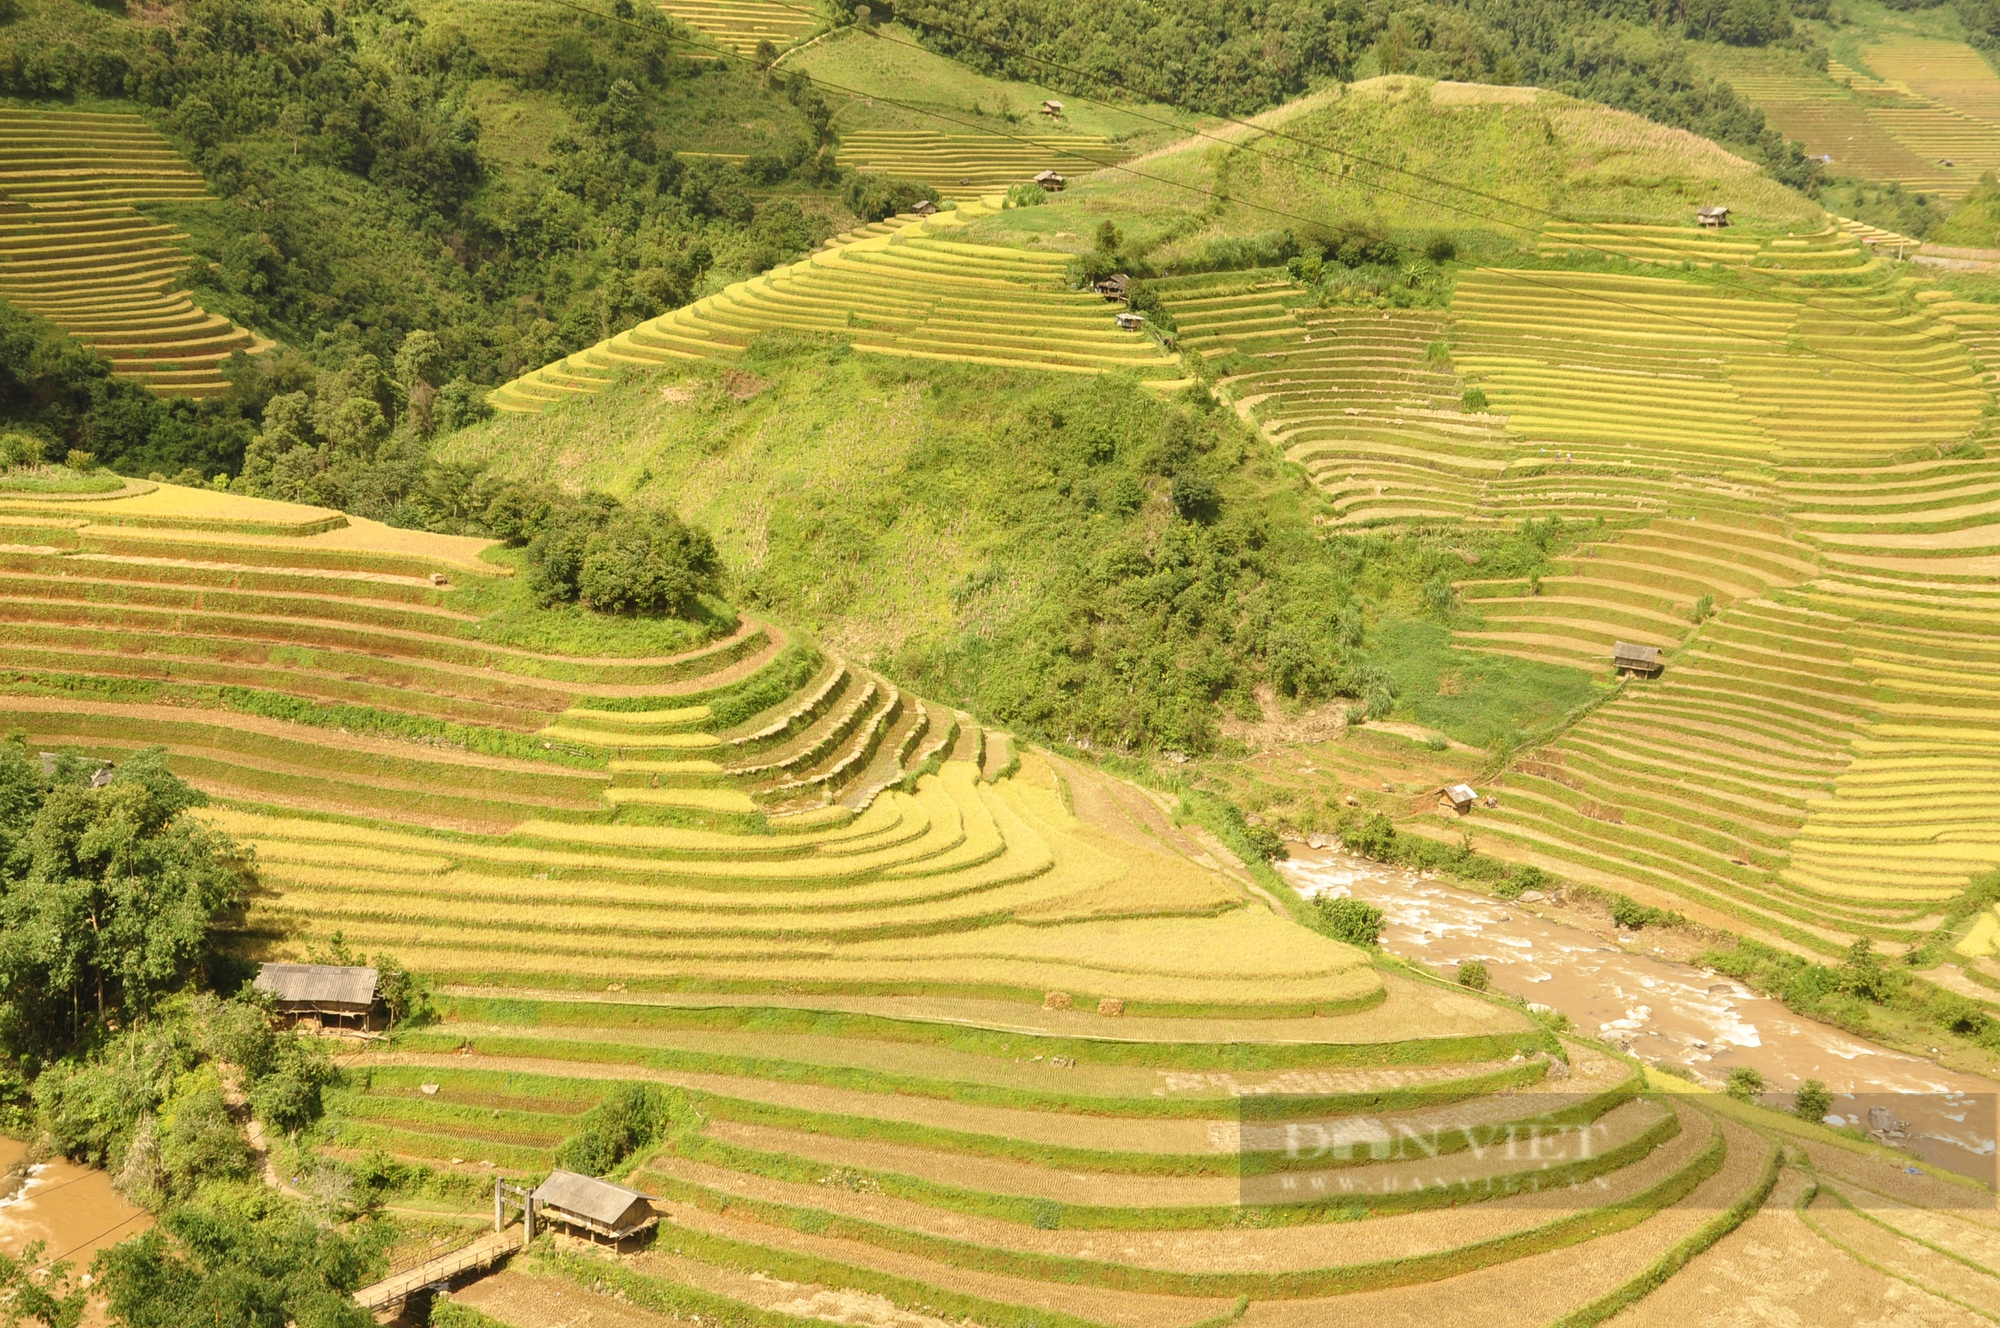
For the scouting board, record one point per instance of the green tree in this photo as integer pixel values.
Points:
(205, 1265)
(1812, 1101)
(30, 1293)
(1473, 974)
(1349, 920)
(107, 897)
(1744, 1084)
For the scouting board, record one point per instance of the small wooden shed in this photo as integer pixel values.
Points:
(1712, 217)
(1459, 798)
(1050, 181)
(325, 991)
(1131, 322)
(1117, 286)
(923, 207)
(1629, 658)
(597, 1206)
(1051, 107)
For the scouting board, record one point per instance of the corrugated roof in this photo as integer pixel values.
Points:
(317, 984)
(1626, 650)
(587, 1196)
(1462, 793)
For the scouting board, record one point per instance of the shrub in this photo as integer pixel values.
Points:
(20, 449)
(1472, 399)
(1349, 920)
(1744, 1084)
(1145, 299)
(632, 1117)
(1266, 842)
(1441, 248)
(873, 197)
(629, 561)
(1026, 195)
(1440, 596)
(1373, 838)
(1812, 1101)
(1472, 974)
(1195, 497)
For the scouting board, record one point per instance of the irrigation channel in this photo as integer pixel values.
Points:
(1664, 1011)
(72, 1210)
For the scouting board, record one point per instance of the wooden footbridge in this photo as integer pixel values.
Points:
(488, 1250)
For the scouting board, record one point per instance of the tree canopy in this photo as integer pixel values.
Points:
(107, 895)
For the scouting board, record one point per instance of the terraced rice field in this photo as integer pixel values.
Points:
(72, 157)
(900, 287)
(1783, 515)
(1355, 397)
(741, 25)
(1933, 103)
(74, 250)
(751, 814)
(942, 1022)
(969, 166)
(1040, 1168)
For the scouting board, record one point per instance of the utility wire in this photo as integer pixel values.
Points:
(1548, 214)
(1520, 275)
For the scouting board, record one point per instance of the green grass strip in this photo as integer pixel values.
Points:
(564, 980)
(1805, 1203)
(904, 1292)
(1050, 1214)
(1678, 1257)
(1108, 1162)
(1302, 1284)
(1901, 1234)
(530, 1013)
(527, 1097)
(864, 1080)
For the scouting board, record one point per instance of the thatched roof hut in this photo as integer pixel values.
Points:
(594, 1205)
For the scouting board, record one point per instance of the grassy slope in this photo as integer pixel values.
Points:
(890, 64)
(1554, 156)
(928, 515)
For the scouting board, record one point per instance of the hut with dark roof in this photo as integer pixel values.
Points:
(322, 991)
(596, 1206)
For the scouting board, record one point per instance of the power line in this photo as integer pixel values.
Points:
(1517, 274)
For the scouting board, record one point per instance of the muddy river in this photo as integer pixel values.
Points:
(1663, 1011)
(72, 1210)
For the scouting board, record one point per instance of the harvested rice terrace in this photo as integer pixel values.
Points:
(969, 166)
(1041, 1168)
(902, 287)
(74, 250)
